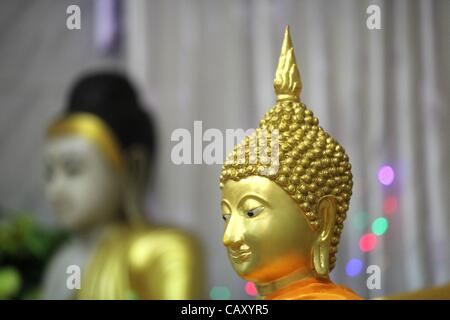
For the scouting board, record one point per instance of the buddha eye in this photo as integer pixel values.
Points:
(73, 167)
(254, 212)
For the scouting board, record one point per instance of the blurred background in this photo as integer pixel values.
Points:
(383, 94)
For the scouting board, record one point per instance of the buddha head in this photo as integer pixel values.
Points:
(285, 189)
(99, 153)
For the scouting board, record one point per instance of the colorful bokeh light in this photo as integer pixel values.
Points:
(380, 226)
(360, 221)
(386, 175)
(220, 293)
(250, 289)
(390, 205)
(353, 267)
(368, 242)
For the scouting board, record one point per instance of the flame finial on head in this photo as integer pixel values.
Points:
(287, 82)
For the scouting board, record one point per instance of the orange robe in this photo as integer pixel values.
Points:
(313, 289)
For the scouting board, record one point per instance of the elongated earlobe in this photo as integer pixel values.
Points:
(321, 254)
(135, 182)
(326, 211)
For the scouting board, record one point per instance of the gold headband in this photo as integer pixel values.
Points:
(92, 128)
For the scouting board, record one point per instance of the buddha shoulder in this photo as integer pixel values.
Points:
(154, 245)
(164, 263)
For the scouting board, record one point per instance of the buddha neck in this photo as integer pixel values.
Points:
(280, 283)
(89, 236)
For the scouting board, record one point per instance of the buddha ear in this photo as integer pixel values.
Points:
(138, 165)
(326, 212)
(136, 177)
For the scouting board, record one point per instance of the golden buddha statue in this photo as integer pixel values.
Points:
(285, 193)
(98, 157)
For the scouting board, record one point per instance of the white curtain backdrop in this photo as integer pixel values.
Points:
(384, 94)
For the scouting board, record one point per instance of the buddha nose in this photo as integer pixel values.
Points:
(233, 236)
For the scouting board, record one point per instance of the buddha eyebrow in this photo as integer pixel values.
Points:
(71, 155)
(254, 197)
(225, 202)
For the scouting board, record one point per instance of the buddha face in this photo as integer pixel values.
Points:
(266, 233)
(81, 185)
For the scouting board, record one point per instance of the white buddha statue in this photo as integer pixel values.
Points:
(98, 156)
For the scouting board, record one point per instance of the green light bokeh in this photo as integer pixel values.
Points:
(360, 221)
(220, 293)
(380, 226)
